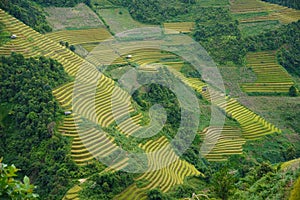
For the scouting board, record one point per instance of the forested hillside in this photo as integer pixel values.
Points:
(29, 114)
(289, 3)
(216, 28)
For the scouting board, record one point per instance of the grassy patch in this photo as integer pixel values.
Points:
(247, 15)
(258, 27)
(89, 46)
(119, 19)
(281, 107)
(4, 35)
(102, 4)
(178, 27)
(213, 3)
(80, 36)
(233, 76)
(79, 17)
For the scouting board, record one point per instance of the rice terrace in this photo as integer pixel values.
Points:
(150, 99)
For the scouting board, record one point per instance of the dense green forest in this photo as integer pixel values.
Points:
(216, 28)
(106, 185)
(289, 3)
(28, 123)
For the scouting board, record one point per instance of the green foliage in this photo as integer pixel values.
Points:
(189, 71)
(72, 48)
(263, 169)
(10, 188)
(155, 194)
(28, 12)
(106, 185)
(289, 3)
(286, 36)
(60, 3)
(292, 118)
(158, 11)
(27, 142)
(258, 27)
(274, 39)
(273, 185)
(293, 91)
(223, 183)
(4, 35)
(295, 193)
(218, 33)
(289, 57)
(272, 148)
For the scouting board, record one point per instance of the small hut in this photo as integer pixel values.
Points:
(13, 36)
(129, 56)
(68, 112)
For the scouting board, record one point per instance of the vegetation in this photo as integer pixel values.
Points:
(265, 183)
(106, 185)
(72, 18)
(215, 28)
(288, 3)
(295, 194)
(223, 183)
(238, 167)
(29, 131)
(10, 188)
(59, 3)
(80, 36)
(4, 35)
(263, 64)
(28, 12)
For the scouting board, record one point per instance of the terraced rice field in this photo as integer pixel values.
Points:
(92, 143)
(230, 142)
(178, 27)
(253, 126)
(72, 194)
(130, 125)
(271, 77)
(145, 57)
(252, 11)
(88, 142)
(163, 178)
(290, 165)
(72, 63)
(80, 36)
(97, 106)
